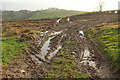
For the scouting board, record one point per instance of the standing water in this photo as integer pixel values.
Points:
(81, 32)
(45, 47)
(87, 59)
(54, 52)
(58, 20)
(56, 33)
(68, 19)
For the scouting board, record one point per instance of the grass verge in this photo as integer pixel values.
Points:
(108, 43)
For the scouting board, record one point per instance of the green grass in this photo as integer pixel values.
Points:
(12, 48)
(63, 65)
(108, 43)
(25, 14)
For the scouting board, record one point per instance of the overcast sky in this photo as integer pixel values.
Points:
(81, 5)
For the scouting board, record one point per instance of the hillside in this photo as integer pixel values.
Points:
(25, 14)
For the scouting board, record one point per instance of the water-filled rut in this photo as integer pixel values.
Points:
(45, 53)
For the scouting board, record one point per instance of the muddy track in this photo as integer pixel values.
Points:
(87, 57)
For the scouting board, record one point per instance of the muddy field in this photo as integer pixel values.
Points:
(43, 50)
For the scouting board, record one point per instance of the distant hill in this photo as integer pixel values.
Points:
(26, 14)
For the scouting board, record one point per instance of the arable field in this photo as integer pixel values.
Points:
(81, 46)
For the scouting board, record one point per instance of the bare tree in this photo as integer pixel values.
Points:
(100, 6)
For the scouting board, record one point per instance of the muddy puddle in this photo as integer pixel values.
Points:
(68, 19)
(59, 20)
(87, 59)
(55, 33)
(81, 32)
(86, 54)
(54, 52)
(36, 59)
(45, 48)
(44, 51)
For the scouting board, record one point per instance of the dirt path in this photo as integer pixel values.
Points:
(87, 56)
(88, 59)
